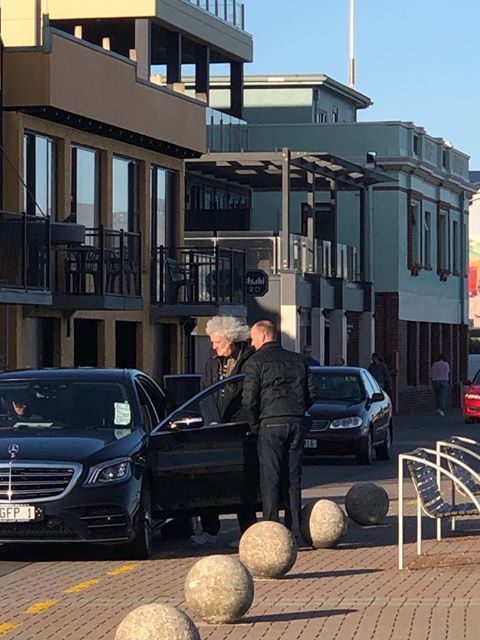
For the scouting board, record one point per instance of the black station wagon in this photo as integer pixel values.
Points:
(92, 455)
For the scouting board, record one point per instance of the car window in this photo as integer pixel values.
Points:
(476, 379)
(371, 383)
(210, 407)
(155, 395)
(341, 387)
(65, 404)
(150, 418)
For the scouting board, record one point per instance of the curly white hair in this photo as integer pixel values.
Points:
(231, 328)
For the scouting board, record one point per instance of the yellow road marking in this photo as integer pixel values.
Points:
(38, 607)
(123, 569)
(8, 626)
(81, 586)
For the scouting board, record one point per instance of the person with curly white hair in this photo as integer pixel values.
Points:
(229, 338)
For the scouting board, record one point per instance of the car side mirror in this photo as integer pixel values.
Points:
(187, 422)
(377, 397)
(467, 383)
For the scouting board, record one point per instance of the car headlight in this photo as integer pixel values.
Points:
(109, 472)
(472, 396)
(346, 423)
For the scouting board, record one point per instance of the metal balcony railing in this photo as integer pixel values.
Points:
(228, 10)
(206, 275)
(25, 250)
(107, 264)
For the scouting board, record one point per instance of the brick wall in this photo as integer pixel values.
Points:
(353, 338)
(409, 348)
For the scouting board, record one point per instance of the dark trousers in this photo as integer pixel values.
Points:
(280, 450)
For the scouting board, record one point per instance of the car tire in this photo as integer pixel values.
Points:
(141, 546)
(384, 450)
(365, 452)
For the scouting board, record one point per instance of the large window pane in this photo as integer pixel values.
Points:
(85, 206)
(39, 167)
(163, 206)
(125, 195)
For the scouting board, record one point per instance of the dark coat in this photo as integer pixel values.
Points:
(278, 383)
(232, 400)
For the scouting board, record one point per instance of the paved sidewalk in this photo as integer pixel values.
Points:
(352, 592)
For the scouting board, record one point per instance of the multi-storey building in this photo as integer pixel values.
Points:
(418, 253)
(95, 131)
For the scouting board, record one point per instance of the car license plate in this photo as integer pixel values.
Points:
(20, 512)
(310, 444)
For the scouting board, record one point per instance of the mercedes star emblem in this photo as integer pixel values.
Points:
(13, 449)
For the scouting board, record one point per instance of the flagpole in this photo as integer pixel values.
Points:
(351, 61)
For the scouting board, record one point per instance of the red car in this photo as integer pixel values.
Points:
(471, 399)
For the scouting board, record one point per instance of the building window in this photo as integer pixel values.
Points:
(320, 116)
(416, 224)
(455, 248)
(85, 195)
(427, 239)
(335, 114)
(164, 205)
(125, 201)
(442, 242)
(445, 159)
(416, 145)
(39, 173)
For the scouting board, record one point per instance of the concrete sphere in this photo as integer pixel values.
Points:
(268, 549)
(323, 523)
(156, 622)
(367, 503)
(219, 589)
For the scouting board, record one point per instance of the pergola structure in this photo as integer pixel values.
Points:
(294, 171)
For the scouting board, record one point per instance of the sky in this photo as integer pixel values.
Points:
(418, 60)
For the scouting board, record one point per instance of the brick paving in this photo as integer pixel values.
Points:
(353, 592)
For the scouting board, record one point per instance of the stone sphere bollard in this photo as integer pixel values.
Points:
(323, 524)
(157, 622)
(268, 549)
(367, 503)
(219, 589)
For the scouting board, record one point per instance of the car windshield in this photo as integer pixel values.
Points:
(476, 379)
(339, 387)
(56, 404)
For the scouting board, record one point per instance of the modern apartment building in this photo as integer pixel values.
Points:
(95, 130)
(417, 222)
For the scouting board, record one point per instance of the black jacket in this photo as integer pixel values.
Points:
(232, 400)
(277, 383)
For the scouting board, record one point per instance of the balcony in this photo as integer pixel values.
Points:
(102, 273)
(197, 281)
(25, 259)
(227, 10)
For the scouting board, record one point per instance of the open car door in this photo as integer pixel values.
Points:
(200, 457)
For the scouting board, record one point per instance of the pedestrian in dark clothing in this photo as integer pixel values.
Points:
(381, 372)
(277, 391)
(230, 339)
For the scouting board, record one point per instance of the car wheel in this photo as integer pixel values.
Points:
(384, 451)
(365, 453)
(141, 546)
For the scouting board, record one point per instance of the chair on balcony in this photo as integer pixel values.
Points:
(82, 270)
(180, 275)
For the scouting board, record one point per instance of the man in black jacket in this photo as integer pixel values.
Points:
(277, 390)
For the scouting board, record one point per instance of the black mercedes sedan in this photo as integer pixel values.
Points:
(352, 416)
(91, 455)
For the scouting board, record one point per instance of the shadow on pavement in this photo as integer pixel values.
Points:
(299, 615)
(329, 574)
